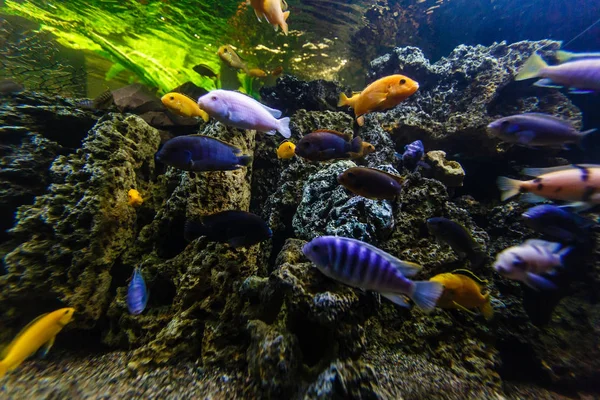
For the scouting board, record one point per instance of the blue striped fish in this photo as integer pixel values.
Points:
(137, 294)
(361, 265)
(201, 153)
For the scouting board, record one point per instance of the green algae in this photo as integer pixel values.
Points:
(159, 42)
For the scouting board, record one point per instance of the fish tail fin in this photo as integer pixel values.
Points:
(356, 145)
(244, 160)
(344, 100)
(426, 294)
(193, 230)
(203, 114)
(3, 369)
(486, 308)
(284, 127)
(531, 68)
(563, 55)
(509, 187)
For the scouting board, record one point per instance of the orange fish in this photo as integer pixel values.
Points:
(256, 73)
(273, 12)
(463, 293)
(366, 148)
(578, 184)
(382, 94)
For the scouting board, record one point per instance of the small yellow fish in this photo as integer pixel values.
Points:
(38, 334)
(256, 73)
(182, 105)
(134, 198)
(272, 11)
(286, 150)
(231, 58)
(463, 293)
(366, 148)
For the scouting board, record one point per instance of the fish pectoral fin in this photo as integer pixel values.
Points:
(360, 120)
(579, 206)
(43, 351)
(396, 299)
(525, 137)
(547, 83)
(460, 307)
(532, 198)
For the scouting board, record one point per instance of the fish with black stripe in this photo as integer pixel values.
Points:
(576, 184)
(364, 266)
(530, 261)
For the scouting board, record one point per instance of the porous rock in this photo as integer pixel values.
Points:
(450, 173)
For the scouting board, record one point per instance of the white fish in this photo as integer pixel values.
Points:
(529, 261)
(240, 111)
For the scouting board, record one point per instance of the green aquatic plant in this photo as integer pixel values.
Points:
(159, 42)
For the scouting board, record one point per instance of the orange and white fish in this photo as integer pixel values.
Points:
(382, 94)
(579, 184)
(182, 105)
(272, 11)
(38, 334)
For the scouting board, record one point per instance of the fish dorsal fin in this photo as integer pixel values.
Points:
(470, 274)
(543, 171)
(218, 140)
(345, 136)
(187, 97)
(461, 307)
(406, 268)
(275, 113)
(552, 247)
(397, 178)
(8, 348)
(550, 118)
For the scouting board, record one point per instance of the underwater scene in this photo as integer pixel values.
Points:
(300, 199)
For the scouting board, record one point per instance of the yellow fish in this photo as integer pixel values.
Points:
(462, 292)
(286, 150)
(182, 105)
(272, 11)
(367, 148)
(134, 198)
(256, 73)
(39, 333)
(382, 94)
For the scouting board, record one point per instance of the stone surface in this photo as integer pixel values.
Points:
(450, 173)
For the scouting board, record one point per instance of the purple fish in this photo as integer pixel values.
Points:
(323, 145)
(243, 112)
(361, 265)
(413, 154)
(582, 76)
(137, 294)
(201, 153)
(529, 261)
(536, 130)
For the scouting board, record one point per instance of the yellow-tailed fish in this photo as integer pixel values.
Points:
(463, 292)
(366, 148)
(273, 12)
(39, 334)
(182, 105)
(134, 198)
(286, 150)
(256, 73)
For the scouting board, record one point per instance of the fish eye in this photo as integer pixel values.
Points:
(66, 312)
(402, 81)
(214, 98)
(172, 98)
(316, 248)
(504, 124)
(351, 175)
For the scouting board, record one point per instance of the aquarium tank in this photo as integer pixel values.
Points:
(299, 199)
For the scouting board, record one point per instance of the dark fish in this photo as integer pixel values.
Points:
(559, 223)
(102, 101)
(137, 294)
(581, 76)
(361, 265)
(236, 228)
(324, 145)
(413, 154)
(371, 183)
(205, 70)
(277, 71)
(536, 130)
(8, 86)
(457, 237)
(201, 153)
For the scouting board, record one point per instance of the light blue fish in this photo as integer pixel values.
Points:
(137, 293)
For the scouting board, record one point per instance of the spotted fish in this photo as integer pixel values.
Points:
(361, 265)
(577, 184)
(137, 294)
